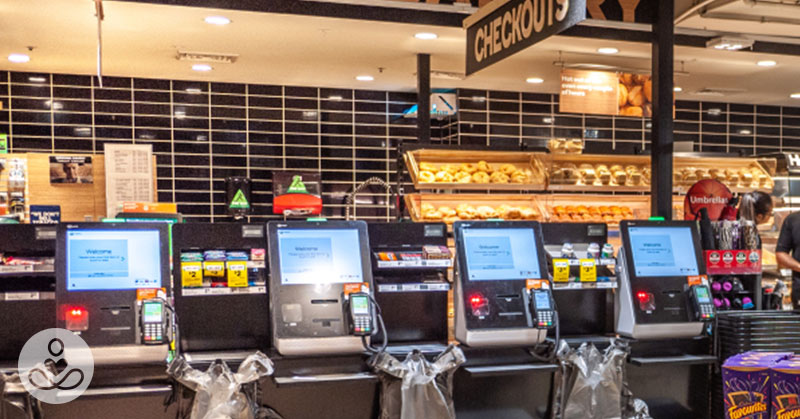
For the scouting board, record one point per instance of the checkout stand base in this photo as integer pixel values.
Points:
(672, 376)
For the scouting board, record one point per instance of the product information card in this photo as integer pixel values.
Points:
(129, 175)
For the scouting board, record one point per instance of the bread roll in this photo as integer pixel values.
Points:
(622, 95)
(485, 167)
(480, 177)
(469, 168)
(603, 174)
(508, 169)
(588, 173)
(648, 90)
(426, 177)
(499, 177)
(427, 167)
(636, 97)
(443, 177)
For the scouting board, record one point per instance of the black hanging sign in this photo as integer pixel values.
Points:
(504, 27)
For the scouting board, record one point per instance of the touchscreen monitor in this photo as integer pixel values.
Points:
(109, 259)
(500, 254)
(319, 256)
(663, 251)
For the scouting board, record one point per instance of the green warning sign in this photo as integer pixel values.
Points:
(239, 201)
(297, 185)
(3, 143)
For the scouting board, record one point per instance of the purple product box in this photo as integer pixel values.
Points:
(785, 377)
(746, 384)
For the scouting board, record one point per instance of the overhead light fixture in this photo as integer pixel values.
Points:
(365, 78)
(426, 35)
(201, 67)
(207, 57)
(37, 79)
(795, 96)
(678, 89)
(217, 20)
(335, 97)
(19, 58)
(534, 80)
(479, 99)
(193, 91)
(767, 63)
(728, 43)
(607, 50)
(715, 111)
(745, 132)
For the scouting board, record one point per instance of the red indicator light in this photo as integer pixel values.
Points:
(76, 312)
(642, 296)
(476, 300)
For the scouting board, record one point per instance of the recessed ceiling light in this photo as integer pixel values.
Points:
(607, 50)
(534, 80)
(201, 67)
(193, 91)
(37, 79)
(335, 97)
(745, 132)
(18, 58)
(365, 78)
(217, 20)
(767, 63)
(795, 96)
(678, 89)
(426, 35)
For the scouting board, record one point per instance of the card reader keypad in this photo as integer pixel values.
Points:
(706, 311)
(362, 325)
(152, 333)
(544, 319)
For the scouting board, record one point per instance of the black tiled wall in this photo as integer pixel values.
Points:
(203, 132)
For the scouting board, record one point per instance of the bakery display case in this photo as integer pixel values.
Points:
(454, 207)
(740, 174)
(471, 170)
(597, 173)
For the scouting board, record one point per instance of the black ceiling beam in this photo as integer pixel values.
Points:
(694, 41)
(324, 9)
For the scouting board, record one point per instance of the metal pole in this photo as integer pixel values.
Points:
(424, 98)
(661, 132)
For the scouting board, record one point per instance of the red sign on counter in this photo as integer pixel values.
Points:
(733, 262)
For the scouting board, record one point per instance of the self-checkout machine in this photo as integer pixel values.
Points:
(664, 306)
(503, 310)
(323, 314)
(113, 290)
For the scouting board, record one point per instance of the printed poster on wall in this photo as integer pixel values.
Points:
(71, 170)
(129, 175)
(606, 93)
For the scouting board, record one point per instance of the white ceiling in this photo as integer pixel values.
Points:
(141, 40)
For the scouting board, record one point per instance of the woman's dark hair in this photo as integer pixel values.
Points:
(753, 204)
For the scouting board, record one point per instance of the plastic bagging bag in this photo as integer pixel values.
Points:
(15, 398)
(417, 388)
(223, 394)
(590, 384)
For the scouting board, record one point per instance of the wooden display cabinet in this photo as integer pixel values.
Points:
(526, 162)
(579, 173)
(415, 203)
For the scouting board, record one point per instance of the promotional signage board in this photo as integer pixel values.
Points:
(709, 194)
(505, 27)
(606, 93)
